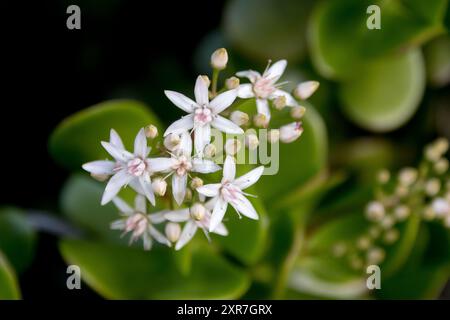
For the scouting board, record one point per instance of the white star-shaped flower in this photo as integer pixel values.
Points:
(197, 216)
(180, 164)
(229, 191)
(202, 114)
(139, 223)
(128, 168)
(265, 87)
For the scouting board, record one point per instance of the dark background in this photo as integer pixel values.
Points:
(124, 49)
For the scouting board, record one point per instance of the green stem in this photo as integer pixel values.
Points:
(215, 78)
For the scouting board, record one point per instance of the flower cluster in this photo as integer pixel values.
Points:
(185, 158)
(423, 192)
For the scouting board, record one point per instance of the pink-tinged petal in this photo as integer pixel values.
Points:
(209, 190)
(201, 91)
(276, 70)
(122, 206)
(244, 207)
(250, 74)
(229, 169)
(245, 91)
(223, 101)
(140, 203)
(181, 101)
(187, 234)
(179, 187)
(117, 153)
(290, 101)
(157, 217)
(211, 203)
(140, 144)
(147, 240)
(100, 167)
(158, 236)
(226, 125)
(262, 105)
(115, 139)
(221, 230)
(204, 166)
(186, 144)
(202, 137)
(217, 215)
(178, 215)
(160, 164)
(114, 185)
(147, 189)
(184, 124)
(249, 178)
(117, 224)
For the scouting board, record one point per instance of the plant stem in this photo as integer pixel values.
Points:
(215, 78)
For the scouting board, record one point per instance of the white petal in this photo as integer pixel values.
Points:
(262, 105)
(118, 224)
(223, 101)
(122, 206)
(202, 137)
(245, 91)
(204, 166)
(179, 187)
(290, 101)
(201, 91)
(146, 185)
(181, 101)
(115, 140)
(140, 144)
(136, 186)
(100, 167)
(305, 89)
(157, 217)
(226, 125)
(229, 168)
(158, 236)
(209, 190)
(186, 144)
(147, 240)
(211, 203)
(160, 164)
(217, 215)
(117, 153)
(221, 230)
(114, 185)
(178, 215)
(244, 206)
(276, 70)
(184, 124)
(250, 74)
(249, 178)
(140, 203)
(186, 235)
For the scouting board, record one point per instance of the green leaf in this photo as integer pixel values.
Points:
(387, 92)
(9, 286)
(117, 272)
(268, 29)
(17, 238)
(437, 58)
(77, 138)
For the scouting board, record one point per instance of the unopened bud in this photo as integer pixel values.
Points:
(387, 222)
(232, 83)
(273, 135)
(374, 232)
(375, 211)
(298, 112)
(407, 176)
(188, 195)
(441, 145)
(239, 118)
(279, 102)
(401, 212)
(363, 243)
(441, 207)
(291, 132)
(391, 236)
(151, 131)
(441, 166)
(306, 89)
(206, 80)
(100, 177)
(252, 141)
(375, 255)
(383, 176)
(210, 150)
(432, 187)
(173, 231)
(159, 186)
(172, 141)
(197, 211)
(428, 213)
(232, 146)
(260, 120)
(196, 183)
(219, 59)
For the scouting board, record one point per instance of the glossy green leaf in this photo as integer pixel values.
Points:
(77, 138)
(9, 286)
(437, 58)
(17, 238)
(387, 92)
(268, 29)
(117, 272)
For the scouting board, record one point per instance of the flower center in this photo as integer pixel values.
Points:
(230, 192)
(182, 165)
(203, 115)
(136, 223)
(136, 167)
(263, 88)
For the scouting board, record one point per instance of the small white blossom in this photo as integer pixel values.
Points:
(306, 89)
(159, 186)
(239, 118)
(232, 83)
(441, 207)
(229, 191)
(232, 146)
(151, 131)
(173, 231)
(291, 132)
